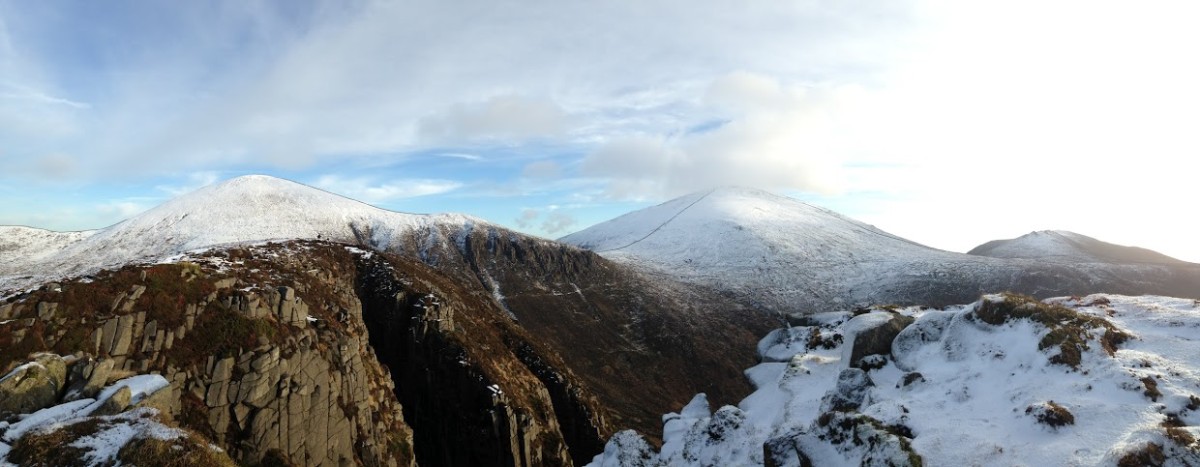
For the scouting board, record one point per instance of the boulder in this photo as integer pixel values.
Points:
(851, 389)
(87, 377)
(866, 441)
(929, 328)
(116, 403)
(32, 386)
(872, 334)
(165, 400)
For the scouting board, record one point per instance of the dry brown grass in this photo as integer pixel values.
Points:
(1051, 414)
(1149, 455)
(182, 452)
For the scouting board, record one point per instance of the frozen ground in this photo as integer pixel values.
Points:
(114, 431)
(957, 391)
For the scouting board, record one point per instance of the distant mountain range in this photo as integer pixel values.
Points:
(776, 253)
(1060, 245)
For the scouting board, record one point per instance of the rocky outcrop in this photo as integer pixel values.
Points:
(128, 423)
(852, 435)
(252, 365)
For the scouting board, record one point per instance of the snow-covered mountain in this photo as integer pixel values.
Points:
(778, 253)
(30, 244)
(1098, 380)
(568, 300)
(251, 208)
(1060, 245)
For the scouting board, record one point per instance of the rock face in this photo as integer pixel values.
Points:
(247, 367)
(474, 387)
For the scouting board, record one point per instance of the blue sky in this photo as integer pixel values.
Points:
(947, 122)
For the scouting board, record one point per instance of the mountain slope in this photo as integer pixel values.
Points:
(736, 228)
(19, 243)
(251, 208)
(1060, 245)
(776, 253)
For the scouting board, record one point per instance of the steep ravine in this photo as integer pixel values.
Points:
(616, 329)
(476, 391)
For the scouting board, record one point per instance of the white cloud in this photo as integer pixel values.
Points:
(527, 218)
(369, 190)
(312, 84)
(503, 117)
(463, 156)
(558, 222)
(555, 221)
(56, 167)
(21, 93)
(768, 135)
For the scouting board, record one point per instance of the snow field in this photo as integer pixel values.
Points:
(976, 401)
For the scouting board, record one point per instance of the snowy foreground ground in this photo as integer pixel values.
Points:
(100, 447)
(1099, 380)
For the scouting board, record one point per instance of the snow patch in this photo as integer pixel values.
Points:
(102, 447)
(962, 392)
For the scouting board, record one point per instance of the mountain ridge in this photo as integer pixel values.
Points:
(246, 209)
(779, 254)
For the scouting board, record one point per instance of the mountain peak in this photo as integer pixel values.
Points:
(742, 238)
(246, 209)
(715, 214)
(1067, 246)
(260, 182)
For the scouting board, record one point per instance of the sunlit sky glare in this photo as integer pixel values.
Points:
(947, 122)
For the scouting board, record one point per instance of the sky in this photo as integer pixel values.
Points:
(948, 122)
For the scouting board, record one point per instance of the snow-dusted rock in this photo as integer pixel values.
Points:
(977, 385)
(849, 392)
(627, 449)
(871, 334)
